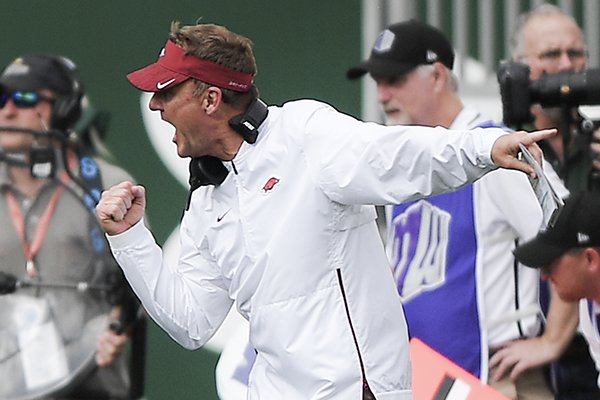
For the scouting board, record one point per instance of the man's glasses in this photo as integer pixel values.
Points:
(23, 99)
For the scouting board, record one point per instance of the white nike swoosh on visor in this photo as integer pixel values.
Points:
(161, 85)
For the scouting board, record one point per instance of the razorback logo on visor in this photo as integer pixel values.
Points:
(270, 184)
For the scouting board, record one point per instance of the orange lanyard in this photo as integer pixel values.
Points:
(30, 250)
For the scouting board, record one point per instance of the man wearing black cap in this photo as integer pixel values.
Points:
(568, 255)
(403, 46)
(54, 328)
(462, 291)
(276, 221)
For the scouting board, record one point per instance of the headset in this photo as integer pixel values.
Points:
(67, 107)
(209, 170)
(247, 124)
(66, 111)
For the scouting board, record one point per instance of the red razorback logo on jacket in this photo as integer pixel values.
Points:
(270, 184)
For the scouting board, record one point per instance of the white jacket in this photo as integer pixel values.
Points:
(287, 237)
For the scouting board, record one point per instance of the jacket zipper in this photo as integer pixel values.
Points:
(367, 394)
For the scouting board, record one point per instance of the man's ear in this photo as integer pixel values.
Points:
(212, 99)
(441, 74)
(592, 256)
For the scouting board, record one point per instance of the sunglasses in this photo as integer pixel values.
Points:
(23, 99)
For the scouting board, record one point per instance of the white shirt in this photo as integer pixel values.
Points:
(289, 240)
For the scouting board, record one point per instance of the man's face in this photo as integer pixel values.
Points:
(553, 44)
(407, 99)
(570, 276)
(179, 107)
(21, 111)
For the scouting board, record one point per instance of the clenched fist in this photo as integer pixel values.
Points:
(121, 207)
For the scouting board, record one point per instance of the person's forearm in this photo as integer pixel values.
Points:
(195, 313)
(561, 324)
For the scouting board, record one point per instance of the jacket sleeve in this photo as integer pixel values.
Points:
(366, 163)
(510, 197)
(189, 302)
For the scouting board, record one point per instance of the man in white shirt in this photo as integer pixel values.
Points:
(277, 223)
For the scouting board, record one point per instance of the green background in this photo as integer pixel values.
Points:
(303, 49)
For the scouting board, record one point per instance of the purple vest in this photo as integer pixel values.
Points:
(434, 254)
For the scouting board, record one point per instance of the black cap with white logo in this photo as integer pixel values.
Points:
(577, 226)
(402, 47)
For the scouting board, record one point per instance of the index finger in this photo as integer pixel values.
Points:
(536, 136)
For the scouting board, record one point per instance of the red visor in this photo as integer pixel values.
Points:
(174, 66)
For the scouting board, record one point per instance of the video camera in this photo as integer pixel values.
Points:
(564, 89)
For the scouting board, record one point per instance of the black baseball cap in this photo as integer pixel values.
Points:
(577, 226)
(35, 72)
(402, 47)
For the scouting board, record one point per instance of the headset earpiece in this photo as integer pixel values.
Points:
(247, 124)
(67, 107)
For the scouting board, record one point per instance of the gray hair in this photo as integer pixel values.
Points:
(517, 41)
(426, 69)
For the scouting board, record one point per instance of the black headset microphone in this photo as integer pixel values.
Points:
(40, 159)
(13, 159)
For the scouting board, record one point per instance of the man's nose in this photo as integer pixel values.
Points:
(383, 93)
(565, 63)
(9, 108)
(155, 103)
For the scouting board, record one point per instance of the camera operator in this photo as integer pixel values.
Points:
(550, 42)
(55, 340)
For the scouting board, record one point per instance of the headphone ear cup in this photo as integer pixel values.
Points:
(247, 124)
(67, 108)
(66, 111)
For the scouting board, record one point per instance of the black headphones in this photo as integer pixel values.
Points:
(209, 170)
(247, 124)
(67, 107)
